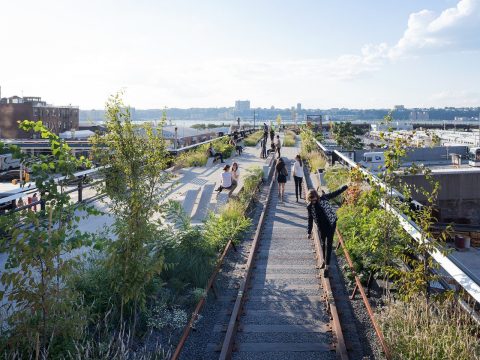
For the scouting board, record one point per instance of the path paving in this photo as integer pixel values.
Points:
(284, 316)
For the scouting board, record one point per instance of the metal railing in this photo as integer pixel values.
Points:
(462, 275)
(8, 203)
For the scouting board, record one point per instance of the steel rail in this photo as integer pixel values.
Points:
(341, 347)
(200, 304)
(188, 328)
(359, 287)
(227, 346)
(453, 267)
(228, 343)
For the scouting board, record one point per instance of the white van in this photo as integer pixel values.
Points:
(7, 162)
(373, 160)
(474, 157)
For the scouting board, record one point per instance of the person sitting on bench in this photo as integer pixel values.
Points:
(239, 146)
(227, 181)
(212, 153)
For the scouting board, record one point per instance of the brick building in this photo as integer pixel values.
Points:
(56, 118)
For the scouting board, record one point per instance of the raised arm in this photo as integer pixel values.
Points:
(336, 192)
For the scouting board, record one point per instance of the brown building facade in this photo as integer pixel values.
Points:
(56, 118)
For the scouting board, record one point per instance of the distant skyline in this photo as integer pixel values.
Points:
(182, 54)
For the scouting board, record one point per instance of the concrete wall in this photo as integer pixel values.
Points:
(459, 197)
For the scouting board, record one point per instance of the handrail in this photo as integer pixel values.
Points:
(30, 188)
(454, 268)
(189, 147)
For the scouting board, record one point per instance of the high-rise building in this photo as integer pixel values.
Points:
(417, 115)
(299, 107)
(242, 106)
(56, 118)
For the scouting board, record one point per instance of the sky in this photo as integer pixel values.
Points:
(209, 53)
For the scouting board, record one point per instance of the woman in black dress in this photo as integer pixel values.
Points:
(325, 217)
(282, 174)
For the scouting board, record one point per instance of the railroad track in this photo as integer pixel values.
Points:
(284, 308)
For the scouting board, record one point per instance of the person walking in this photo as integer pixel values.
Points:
(320, 211)
(226, 181)
(278, 145)
(298, 176)
(263, 144)
(272, 133)
(282, 174)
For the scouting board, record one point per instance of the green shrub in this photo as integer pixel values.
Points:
(308, 142)
(250, 183)
(191, 158)
(199, 157)
(191, 261)
(416, 330)
(373, 236)
(223, 146)
(228, 225)
(336, 177)
(254, 138)
(289, 139)
(309, 150)
(315, 160)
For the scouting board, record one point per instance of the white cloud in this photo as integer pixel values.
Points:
(456, 28)
(455, 98)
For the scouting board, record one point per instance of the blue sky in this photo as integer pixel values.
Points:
(342, 53)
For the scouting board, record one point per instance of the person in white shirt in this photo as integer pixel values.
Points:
(298, 176)
(226, 182)
(278, 145)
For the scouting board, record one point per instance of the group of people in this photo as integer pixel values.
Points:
(30, 200)
(282, 176)
(238, 144)
(236, 141)
(275, 142)
(319, 208)
(230, 178)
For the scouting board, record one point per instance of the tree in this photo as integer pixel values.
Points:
(346, 136)
(136, 157)
(416, 253)
(279, 121)
(45, 310)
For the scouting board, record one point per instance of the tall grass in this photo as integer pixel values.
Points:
(199, 157)
(438, 331)
(250, 183)
(315, 160)
(254, 138)
(309, 150)
(289, 139)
